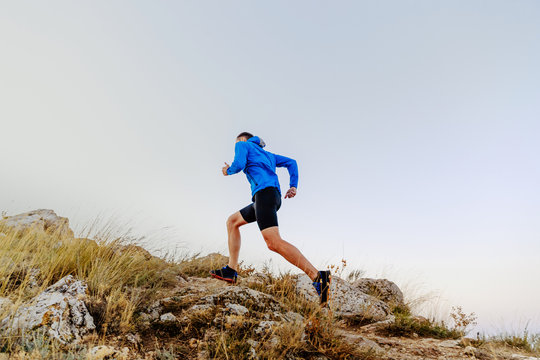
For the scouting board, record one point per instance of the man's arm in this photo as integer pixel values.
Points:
(292, 168)
(240, 158)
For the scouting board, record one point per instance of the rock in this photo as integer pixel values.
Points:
(252, 346)
(154, 311)
(264, 326)
(346, 300)
(133, 338)
(449, 344)
(213, 308)
(104, 352)
(376, 326)
(168, 317)
(60, 309)
(382, 289)
(359, 341)
(5, 305)
(39, 220)
(202, 307)
(202, 265)
(132, 249)
(246, 297)
(256, 279)
(479, 354)
(236, 309)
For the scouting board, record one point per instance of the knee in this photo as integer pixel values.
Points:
(273, 244)
(232, 222)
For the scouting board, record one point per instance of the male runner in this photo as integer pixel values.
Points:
(259, 166)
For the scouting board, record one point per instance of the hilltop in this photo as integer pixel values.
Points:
(63, 297)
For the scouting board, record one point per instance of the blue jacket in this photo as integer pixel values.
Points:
(259, 165)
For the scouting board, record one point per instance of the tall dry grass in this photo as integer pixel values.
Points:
(121, 276)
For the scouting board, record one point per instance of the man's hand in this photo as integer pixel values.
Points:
(224, 169)
(290, 193)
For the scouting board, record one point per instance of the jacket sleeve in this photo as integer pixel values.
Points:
(240, 158)
(292, 167)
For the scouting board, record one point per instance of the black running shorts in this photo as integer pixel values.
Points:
(264, 209)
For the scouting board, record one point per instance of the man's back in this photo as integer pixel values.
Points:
(260, 165)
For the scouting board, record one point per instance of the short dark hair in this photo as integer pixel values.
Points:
(245, 134)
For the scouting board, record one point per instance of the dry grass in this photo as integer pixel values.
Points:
(523, 341)
(121, 277)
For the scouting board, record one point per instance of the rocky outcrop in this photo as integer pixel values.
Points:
(40, 221)
(382, 289)
(211, 307)
(347, 300)
(211, 297)
(60, 310)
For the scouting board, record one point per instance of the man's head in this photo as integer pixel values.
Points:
(244, 136)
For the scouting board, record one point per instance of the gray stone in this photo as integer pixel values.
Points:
(382, 289)
(167, 317)
(133, 338)
(359, 341)
(236, 309)
(449, 344)
(39, 220)
(264, 326)
(60, 309)
(346, 300)
(5, 305)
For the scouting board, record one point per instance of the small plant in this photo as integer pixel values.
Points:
(461, 320)
(338, 269)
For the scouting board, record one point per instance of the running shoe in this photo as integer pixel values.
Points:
(226, 273)
(322, 286)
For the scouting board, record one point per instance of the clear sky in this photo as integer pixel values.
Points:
(415, 125)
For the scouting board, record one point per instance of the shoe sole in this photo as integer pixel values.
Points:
(325, 286)
(232, 281)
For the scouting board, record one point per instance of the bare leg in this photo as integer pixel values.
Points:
(288, 251)
(233, 230)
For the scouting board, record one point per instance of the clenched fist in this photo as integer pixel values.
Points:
(290, 193)
(224, 169)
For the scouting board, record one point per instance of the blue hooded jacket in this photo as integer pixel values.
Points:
(259, 165)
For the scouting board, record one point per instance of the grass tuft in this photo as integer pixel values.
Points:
(409, 326)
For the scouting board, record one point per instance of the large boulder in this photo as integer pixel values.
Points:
(382, 289)
(39, 220)
(60, 310)
(346, 300)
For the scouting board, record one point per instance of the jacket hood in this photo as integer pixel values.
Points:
(257, 140)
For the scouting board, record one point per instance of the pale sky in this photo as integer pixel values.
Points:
(415, 125)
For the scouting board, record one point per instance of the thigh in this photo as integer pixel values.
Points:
(248, 213)
(267, 203)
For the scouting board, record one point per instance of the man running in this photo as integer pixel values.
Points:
(259, 166)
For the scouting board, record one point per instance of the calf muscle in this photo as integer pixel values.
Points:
(288, 251)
